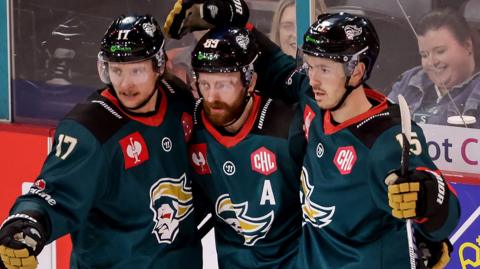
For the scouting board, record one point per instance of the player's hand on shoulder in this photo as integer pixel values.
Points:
(194, 15)
(22, 238)
(422, 194)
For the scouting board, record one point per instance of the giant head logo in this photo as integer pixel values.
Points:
(319, 216)
(171, 202)
(252, 229)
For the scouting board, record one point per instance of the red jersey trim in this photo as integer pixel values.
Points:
(330, 128)
(230, 141)
(439, 173)
(154, 120)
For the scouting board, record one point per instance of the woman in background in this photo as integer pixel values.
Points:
(284, 26)
(447, 84)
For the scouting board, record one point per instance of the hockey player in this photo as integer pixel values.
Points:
(116, 179)
(246, 158)
(352, 218)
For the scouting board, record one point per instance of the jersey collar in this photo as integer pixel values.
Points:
(154, 120)
(380, 98)
(230, 141)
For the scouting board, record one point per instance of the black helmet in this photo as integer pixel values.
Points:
(131, 39)
(344, 38)
(226, 49)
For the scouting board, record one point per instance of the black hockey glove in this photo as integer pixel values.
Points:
(193, 15)
(22, 238)
(423, 194)
(435, 255)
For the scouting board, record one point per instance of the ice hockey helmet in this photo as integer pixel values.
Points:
(226, 49)
(344, 38)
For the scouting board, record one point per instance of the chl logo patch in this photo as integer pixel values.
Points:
(263, 161)
(198, 158)
(134, 150)
(308, 116)
(345, 159)
(187, 124)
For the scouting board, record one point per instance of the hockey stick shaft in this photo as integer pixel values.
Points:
(407, 135)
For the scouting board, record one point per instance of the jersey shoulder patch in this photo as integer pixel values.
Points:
(274, 118)
(372, 127)
(99, 116)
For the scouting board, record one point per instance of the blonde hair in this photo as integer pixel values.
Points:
(275, 32)
(282, 5)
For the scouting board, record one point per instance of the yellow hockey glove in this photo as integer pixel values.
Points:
(22, 238)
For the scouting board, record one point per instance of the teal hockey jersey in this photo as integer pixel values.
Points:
(251, 182)
(119, 184)
(347, 220)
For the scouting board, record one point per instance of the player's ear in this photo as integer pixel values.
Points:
(357, 74)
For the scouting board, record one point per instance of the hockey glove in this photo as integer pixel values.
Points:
(435, 255)
(194, 15)
(445, 255)
(22, 238)
(423, 194)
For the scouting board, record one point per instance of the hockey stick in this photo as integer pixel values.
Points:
(407, 136)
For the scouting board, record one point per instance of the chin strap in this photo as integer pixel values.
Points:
(348, 90)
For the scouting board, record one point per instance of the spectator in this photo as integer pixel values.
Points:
(447, 85)
(284, 26)
(284, 32)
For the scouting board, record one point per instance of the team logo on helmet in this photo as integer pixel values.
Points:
(213, 10)
(319, 216)
(250, 228)
(171, 202)
(352, 31)
(242, 41)
(149, 28)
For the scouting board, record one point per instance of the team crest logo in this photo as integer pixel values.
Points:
(242, 41)
(149, 28)
(134, 150)
(171, 202)
(319, 216)
(250, 228)
(308, 116)
(351, 31)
